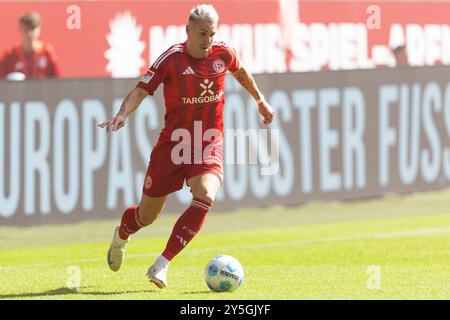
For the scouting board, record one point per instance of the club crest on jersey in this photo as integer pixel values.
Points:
(218, 65)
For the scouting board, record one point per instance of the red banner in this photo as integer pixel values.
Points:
(121, 38)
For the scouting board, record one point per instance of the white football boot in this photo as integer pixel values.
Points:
(157, 272)
(116, 251)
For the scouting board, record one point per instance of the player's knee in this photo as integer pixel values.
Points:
(205, 195)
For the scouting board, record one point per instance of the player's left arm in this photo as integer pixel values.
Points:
(244, 77)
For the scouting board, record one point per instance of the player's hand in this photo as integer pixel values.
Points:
(266, 111)
(114, 124)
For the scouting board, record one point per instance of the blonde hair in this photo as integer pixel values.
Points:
(204, 12)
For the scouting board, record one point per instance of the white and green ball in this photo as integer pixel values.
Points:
(224, 274)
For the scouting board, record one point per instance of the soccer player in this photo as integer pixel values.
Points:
(193, 75)
(32, 58)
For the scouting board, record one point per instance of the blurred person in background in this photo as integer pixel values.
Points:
(193, 74)
(401, 57)
(32, 58)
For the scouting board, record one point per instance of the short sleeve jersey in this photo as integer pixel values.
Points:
(193, 87)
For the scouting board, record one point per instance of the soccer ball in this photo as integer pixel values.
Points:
(224, 273)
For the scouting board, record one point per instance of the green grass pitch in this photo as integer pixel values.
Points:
(396, 247)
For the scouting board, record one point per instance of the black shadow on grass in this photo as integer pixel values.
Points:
(196, 292)
(66, 291)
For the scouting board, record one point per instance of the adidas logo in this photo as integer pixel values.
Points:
(188, 71)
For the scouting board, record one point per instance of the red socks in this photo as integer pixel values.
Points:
(187, 226)
(185, 229)
(130, 222)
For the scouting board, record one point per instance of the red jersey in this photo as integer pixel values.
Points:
(40, 63)
(193, 87)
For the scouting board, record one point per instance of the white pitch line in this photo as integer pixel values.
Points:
(386, 235)
(52, 264)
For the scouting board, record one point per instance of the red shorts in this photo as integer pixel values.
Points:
(165, 174)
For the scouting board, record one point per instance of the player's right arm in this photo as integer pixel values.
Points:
(129, 105)
(147, 85)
